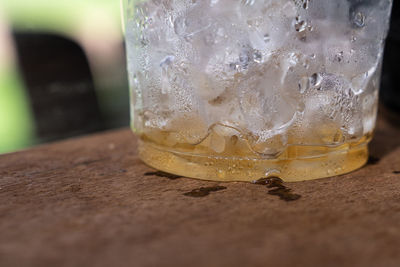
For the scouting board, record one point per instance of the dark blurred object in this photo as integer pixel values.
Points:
(60, 85)
(390, 88)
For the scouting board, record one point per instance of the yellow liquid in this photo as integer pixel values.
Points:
(239, 163)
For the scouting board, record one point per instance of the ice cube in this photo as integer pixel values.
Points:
(333, 103)
(267, 113)
(188, 128)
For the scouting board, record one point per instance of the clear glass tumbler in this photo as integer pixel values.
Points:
(236, 90)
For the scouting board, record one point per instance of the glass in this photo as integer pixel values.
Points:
(236, 90)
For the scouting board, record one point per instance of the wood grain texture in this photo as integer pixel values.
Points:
(88, 202)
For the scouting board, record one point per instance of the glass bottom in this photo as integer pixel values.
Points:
(323, 162)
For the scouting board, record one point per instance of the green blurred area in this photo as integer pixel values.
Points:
(16, 131)
(67, 18)
(59, 15)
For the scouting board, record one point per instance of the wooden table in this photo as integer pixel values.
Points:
(88, 202)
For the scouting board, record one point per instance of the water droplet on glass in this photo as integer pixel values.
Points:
(248, 2)
(257, 56)
(304, 84)
(267, 38)
(135, 79)
(167, 61)
(302, 3)
(188, 37)
(243, 62)
(359, 20)
(214, 2)
(179, 26)
(339, 56)
(306, 64)
(234, 66)
(316, 80)
(300, 25)
(244, 58)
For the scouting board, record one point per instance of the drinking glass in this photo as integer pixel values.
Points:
(236, 90)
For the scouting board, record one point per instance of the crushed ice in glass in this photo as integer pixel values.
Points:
(271, 69)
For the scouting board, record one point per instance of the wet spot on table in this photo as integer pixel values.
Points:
(277, 188)
(204, 191)
(163, 174)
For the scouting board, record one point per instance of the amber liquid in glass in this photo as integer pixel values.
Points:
(235, 160)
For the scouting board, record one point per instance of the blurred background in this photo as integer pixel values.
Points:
(62, 70)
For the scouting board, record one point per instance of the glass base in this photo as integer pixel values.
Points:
(324, 162)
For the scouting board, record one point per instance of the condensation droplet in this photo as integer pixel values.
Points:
(304, 84)
(214, 2)
(167, 61)
(234, 66)
(135, 79)
(359, 20)
(257, 56)
(248, 2)
(302, 3)
(316, 80)
(339, 56)
(300, 25)
(267, 38)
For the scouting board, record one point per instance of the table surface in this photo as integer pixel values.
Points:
(91, 202)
